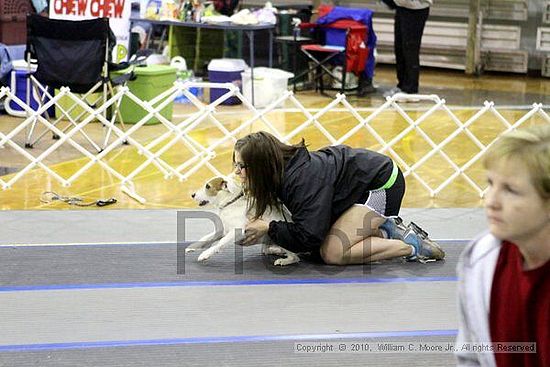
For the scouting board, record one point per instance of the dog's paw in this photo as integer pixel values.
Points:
(274, 250)
(194, 247)
(205, 255)
(284, 261)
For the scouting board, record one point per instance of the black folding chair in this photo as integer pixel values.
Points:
(72, 54)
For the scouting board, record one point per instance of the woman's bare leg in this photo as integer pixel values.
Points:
(355, 239)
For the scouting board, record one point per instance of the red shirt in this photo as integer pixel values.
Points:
(520, 308)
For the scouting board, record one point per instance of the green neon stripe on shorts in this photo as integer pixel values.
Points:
(392, 178)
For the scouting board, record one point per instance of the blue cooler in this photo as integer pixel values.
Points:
(225, 71)
(18, 86)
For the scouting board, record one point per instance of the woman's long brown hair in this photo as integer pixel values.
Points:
(264, 157)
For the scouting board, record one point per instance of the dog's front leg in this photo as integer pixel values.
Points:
(272, 249)
(265, 249)
(226, 240)
(290, 258)
(203, 242)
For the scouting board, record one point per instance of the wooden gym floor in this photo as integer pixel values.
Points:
(513, 96)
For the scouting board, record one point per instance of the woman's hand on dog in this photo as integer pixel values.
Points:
(254, 231)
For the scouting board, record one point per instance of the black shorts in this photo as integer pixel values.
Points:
(387, 202)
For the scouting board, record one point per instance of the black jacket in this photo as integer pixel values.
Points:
(318, 187)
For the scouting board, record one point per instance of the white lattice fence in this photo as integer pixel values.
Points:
(195, 151)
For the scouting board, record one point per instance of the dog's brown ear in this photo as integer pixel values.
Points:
(218, 183)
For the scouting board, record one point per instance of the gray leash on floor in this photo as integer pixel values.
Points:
(48, 197)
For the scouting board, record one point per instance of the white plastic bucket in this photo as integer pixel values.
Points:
(269, 84)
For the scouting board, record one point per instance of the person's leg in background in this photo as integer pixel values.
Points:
(410, 25)
(398, 46)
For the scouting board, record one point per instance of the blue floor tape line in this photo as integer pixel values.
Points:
(224, 339)
(251, 282)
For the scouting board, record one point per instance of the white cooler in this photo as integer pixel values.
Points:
(269, 84)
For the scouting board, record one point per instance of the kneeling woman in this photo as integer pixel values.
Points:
(343, 201)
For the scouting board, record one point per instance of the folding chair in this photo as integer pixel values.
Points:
(340, 43)
(70, 54)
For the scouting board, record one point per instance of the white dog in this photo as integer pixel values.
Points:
(228, 197)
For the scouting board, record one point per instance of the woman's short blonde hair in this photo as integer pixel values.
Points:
(530, 146)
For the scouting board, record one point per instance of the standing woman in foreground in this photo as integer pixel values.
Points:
(504, 275)
(341, 200)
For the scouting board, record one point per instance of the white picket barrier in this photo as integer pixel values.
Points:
(202, 155)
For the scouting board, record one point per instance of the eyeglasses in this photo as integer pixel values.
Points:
(239, 166)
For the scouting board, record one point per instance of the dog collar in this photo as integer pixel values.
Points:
(232, 200)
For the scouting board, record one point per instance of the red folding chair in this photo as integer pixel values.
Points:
(340, 43)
